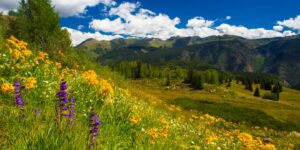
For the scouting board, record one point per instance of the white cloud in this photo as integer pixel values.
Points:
(107, 25)
(6, 5)
(80, 27)
(199, 22)
(66, 8)
(247, 33)
(137, 22)
(124, 10)
(228, 18)
(278, 28)
(78, 36)
(292, 23)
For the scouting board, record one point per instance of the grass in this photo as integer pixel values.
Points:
(286, 110)
(235, 114)
(130, 119)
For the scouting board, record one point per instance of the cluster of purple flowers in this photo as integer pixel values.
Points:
(18, 96)
(63, 105)
(62, 95)
(94, 131)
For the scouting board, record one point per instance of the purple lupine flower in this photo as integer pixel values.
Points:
(94, 131)
(18, 96)
(62, 95)
(72, 111)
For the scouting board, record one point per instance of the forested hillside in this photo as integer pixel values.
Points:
(277, 56)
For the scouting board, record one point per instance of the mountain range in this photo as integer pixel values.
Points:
(279, 56)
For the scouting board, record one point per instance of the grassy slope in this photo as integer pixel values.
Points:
(144, 122)
(286, 110)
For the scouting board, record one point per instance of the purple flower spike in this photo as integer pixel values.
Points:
(94, 131)
(63, 101)
(18, 96)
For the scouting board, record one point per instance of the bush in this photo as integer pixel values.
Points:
(271, 96)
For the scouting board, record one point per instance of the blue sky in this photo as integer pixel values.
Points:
(109, 19)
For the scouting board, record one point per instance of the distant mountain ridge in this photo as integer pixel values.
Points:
(279, 56)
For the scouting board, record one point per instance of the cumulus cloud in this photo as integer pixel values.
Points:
(137, 22)
(78, 36)
(248, 33)
(66, 8)
(278, 28)
(106, 25)
(292, 23)
(134, 21)
(199, 22)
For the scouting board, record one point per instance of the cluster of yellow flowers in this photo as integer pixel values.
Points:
(174, 108)
(30, 83)
(211, 139)
(6, 88)
(106, 88)
(17, 49)
(253, 144)
(211, 119)
(41, 57)
(153, 132)
(90, 77)
(163, 132)
(164, 122)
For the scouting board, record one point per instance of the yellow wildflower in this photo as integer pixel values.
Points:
(164, 133)
(30, 82)
(7, 88)
(245, 137)
(58, 65)
(211, 139)
(153, 132)
(106, 88)
(48, 62)
(90, 77)
(134, 119)
(27, 52)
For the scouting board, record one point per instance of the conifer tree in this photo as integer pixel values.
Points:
(256, 92)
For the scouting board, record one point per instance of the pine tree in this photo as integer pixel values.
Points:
(276, 91)
(256, 92)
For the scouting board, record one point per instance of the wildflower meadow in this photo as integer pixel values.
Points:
(47, 105)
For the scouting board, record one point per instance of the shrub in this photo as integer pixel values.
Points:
(271, 96)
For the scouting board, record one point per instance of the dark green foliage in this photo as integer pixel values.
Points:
(256, 92)
(248, 84)
(168, 82)
(140, 70)
(228, 84)
(38, 24)
(276, 90)
(198, 81)
(12, 13)
(271, 96)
